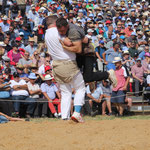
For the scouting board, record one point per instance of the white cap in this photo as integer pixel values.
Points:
(48, 77)
(90, 30)
(21, 33)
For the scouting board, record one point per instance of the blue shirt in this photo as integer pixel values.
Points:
(50, 90)
(96, 94)
(111, 54)
(142, 55)
(100, 50)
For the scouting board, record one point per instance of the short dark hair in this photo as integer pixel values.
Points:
(51, 20)
(61, 22)
(116, 43)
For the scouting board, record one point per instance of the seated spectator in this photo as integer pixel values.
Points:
(51, 93)
(146, 61)
(132, 49)
(31, 46)
(119, 92)
(7, 47)
(95, 94)
(8, 65)
(19, 43)
(20, 92)
(142, 54)
(110, 54)
(132, 39)
(137, 73)
(15, 54)
(5, 106)
(22, 74)
(37, 59)
(25, 61)
(107, 90)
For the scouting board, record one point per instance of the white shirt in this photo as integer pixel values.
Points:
(19, 92)
(41, 69)
(55, 48)
(34, 87)
(148, 79)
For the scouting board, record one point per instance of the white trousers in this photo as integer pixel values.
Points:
(100, 65)
(66, 94)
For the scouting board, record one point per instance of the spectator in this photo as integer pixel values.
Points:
(25, 61)
(99, 53)
(107, 90)
(50, 92)
(137, 73)
(8, 65)
(15, 54)
(4, 24)
(5, 106)
(31, 46)
(142, 54)
(20, 92)
(133, 50)
(109, 56)
(146, 61)
(95, 95)
(7, 47)
(119, 93)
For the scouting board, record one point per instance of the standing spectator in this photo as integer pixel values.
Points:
(99, 53)
(119, 93)
(50, 92)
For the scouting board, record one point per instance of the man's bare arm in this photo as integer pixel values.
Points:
(76, 48)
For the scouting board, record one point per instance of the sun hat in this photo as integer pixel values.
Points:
(21, 33)
(117, 59)
(32, 76)
(48, 77)
(125, 52)
(90, 30)
(20, 66)
(130, 24)
(31, 39)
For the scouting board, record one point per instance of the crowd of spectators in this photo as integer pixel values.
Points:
(117, 28)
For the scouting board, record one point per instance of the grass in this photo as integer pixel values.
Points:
(98, 118)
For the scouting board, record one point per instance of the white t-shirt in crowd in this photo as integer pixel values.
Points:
(148, 79)
(19, 92)
(55, 48)
(41, 69)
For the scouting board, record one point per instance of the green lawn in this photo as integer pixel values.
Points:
(98, 117)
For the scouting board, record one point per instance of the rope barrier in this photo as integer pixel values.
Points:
(41, 100)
